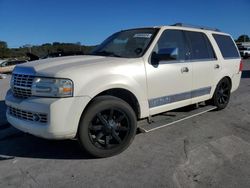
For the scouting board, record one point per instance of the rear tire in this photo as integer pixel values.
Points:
(107, 127)
(222, 94)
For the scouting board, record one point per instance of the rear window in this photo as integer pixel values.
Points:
(227, 46)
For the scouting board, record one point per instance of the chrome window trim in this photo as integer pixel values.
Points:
(185, 61)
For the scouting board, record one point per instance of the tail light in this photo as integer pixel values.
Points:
(241, 66)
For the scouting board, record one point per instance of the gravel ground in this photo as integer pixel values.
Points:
(211, 150)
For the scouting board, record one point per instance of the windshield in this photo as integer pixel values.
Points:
(130, 43)
(3, 63)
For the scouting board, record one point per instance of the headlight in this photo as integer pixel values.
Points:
(52, 87)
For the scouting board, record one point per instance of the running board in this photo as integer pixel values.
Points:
(172, 117)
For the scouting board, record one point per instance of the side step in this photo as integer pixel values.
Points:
(172, 117)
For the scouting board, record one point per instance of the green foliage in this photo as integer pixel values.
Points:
(243, 38)
(42, 50)
(4, 51)
(3, 44)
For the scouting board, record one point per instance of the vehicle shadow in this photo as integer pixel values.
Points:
(2, 113)
(14, 143)
(19, 144)
(245, 74)
(28, 146)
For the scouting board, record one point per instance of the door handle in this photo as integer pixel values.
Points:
(184, 69)
(216, 66)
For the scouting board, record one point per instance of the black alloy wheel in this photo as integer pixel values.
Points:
(107, 127)
(222, 94)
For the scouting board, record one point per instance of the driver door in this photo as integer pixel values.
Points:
(169, 75)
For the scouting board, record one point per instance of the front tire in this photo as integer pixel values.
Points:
(107, 127)
(222, 94)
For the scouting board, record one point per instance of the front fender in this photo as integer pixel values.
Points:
(99, 84)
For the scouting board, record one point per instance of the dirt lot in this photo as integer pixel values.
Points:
(211, 150)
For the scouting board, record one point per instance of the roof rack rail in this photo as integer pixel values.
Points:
(194, 26)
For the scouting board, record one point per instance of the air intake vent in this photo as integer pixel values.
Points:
(26, 115)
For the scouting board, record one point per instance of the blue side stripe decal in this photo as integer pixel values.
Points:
(200, 92)
(178, 97)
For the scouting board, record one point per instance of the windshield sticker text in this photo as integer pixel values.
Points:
(142, 35)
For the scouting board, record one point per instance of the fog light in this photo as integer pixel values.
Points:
(36, 117)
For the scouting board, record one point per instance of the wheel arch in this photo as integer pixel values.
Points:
(218, 81)
(226, 77)
(230, 80)
(123, 94)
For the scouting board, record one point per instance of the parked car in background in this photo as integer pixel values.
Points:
(245, 52)
(62, 54)
(3, 76)
(6, 66)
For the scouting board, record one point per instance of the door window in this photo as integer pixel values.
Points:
(200, 47)
(173, 44)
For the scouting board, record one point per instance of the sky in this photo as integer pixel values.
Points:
(90, 22)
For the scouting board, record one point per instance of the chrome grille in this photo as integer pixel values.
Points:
(21, 85)
(26, 115)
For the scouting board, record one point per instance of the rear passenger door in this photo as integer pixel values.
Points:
(204, 65)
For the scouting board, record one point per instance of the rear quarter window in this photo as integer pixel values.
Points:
(227, 46)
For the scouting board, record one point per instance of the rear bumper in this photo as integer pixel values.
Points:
(63, 115)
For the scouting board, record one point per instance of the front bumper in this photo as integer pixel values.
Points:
(63, 115)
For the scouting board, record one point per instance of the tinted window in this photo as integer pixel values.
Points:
(4, 64)
(172, 43)
(10, 63)
(130, 43)
(227, 46)
(200, 46)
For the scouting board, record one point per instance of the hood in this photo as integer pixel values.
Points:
(58, 66)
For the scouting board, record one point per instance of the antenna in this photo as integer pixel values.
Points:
(195, 26)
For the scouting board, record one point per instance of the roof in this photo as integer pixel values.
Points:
(186, 26)
(195, 27)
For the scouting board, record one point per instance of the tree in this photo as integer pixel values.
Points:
(43, 50)
(4, 51)
(79, 44)
(56, 43)
(29, 46)
(3, 44)
(243, 38)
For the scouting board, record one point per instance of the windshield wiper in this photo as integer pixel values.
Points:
(106, 53)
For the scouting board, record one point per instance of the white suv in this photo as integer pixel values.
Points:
(132, 75)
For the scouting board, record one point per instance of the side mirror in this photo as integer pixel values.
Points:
(166, 54)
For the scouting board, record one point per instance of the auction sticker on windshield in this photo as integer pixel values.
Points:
(142, 35)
